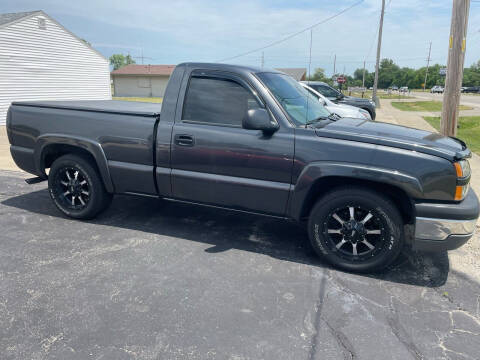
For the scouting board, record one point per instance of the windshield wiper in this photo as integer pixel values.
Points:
(331, 116)
(320, 118)
(334, 117)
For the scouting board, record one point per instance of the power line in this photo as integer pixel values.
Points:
(293, 35)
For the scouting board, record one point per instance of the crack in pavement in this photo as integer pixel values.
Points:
(400, 333)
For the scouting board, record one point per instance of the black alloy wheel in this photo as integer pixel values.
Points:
(76, 187)
(356, 229)
(72, 188)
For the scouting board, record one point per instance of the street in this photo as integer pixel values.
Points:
(465, 99)
(156, 280)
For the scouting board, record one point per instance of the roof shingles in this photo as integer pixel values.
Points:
(297, 73)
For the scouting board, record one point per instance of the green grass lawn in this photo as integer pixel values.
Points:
(468, 130)
(393, 96)
(423, 106)
(147, 99)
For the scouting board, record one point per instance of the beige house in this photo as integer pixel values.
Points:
(151, 80)
(141, 80)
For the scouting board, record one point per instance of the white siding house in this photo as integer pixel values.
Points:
(41, 60)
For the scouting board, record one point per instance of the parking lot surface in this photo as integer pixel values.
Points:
(150, 279)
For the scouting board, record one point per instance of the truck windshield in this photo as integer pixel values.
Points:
(302, 106)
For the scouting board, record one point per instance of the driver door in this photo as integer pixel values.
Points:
(215, 161)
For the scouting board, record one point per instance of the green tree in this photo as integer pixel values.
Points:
(119, 60)
(318, 75)
(471, 75)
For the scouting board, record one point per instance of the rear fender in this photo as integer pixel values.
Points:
(92, 147)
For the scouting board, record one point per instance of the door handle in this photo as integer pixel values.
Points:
(184, 140)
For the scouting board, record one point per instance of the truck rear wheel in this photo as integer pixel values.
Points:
(356, 229)
(76, 187)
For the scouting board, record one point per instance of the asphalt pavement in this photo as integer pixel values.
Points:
(150, 279)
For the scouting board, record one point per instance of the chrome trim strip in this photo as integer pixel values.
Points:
(440, 229)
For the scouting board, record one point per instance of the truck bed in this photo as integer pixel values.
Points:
(105, 106)
(118, 134)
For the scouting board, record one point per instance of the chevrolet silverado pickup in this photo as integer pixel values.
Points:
(255, 140)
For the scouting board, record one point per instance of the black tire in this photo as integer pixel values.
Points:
(370, 112)
(344, 245)
(76, 187)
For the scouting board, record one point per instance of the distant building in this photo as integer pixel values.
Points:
(141, 80)
(298, 74)
(41, 60)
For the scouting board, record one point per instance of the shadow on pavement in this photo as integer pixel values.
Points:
(225, 230)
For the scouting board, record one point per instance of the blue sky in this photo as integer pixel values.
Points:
(172, 31)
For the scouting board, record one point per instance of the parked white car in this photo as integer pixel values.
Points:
(437, 89)
(339, 109)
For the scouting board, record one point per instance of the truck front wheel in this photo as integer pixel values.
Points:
(76, 187)
(356, 229)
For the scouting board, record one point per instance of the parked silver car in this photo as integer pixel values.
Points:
(340, 109)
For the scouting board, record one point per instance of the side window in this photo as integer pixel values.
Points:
(217, 101)
(312, 93)
(327, 91)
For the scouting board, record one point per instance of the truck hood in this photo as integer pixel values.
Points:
(395, 136)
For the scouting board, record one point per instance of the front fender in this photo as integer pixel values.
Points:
(92, 147)
(324, 169)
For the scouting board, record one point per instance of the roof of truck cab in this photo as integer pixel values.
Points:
(228, 67)
(107, 106)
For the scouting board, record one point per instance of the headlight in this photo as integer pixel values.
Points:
(462, 168)
(372, 102)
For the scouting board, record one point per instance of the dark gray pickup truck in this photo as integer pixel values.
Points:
(253, 140)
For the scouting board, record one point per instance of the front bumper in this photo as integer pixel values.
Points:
(440, 227)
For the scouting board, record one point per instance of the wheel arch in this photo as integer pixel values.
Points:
(319, 179)
(372, 115)
(50, 147)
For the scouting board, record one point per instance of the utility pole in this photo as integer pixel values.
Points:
(263, 58)
(363, 79)
(334, 64)
(310, 54)
(456, 57)
(428, 63)
(377, 64)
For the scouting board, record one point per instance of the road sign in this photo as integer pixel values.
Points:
(443, 71)
(356, 89)
(341, 80)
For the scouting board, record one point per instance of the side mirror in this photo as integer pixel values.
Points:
(259, 119)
